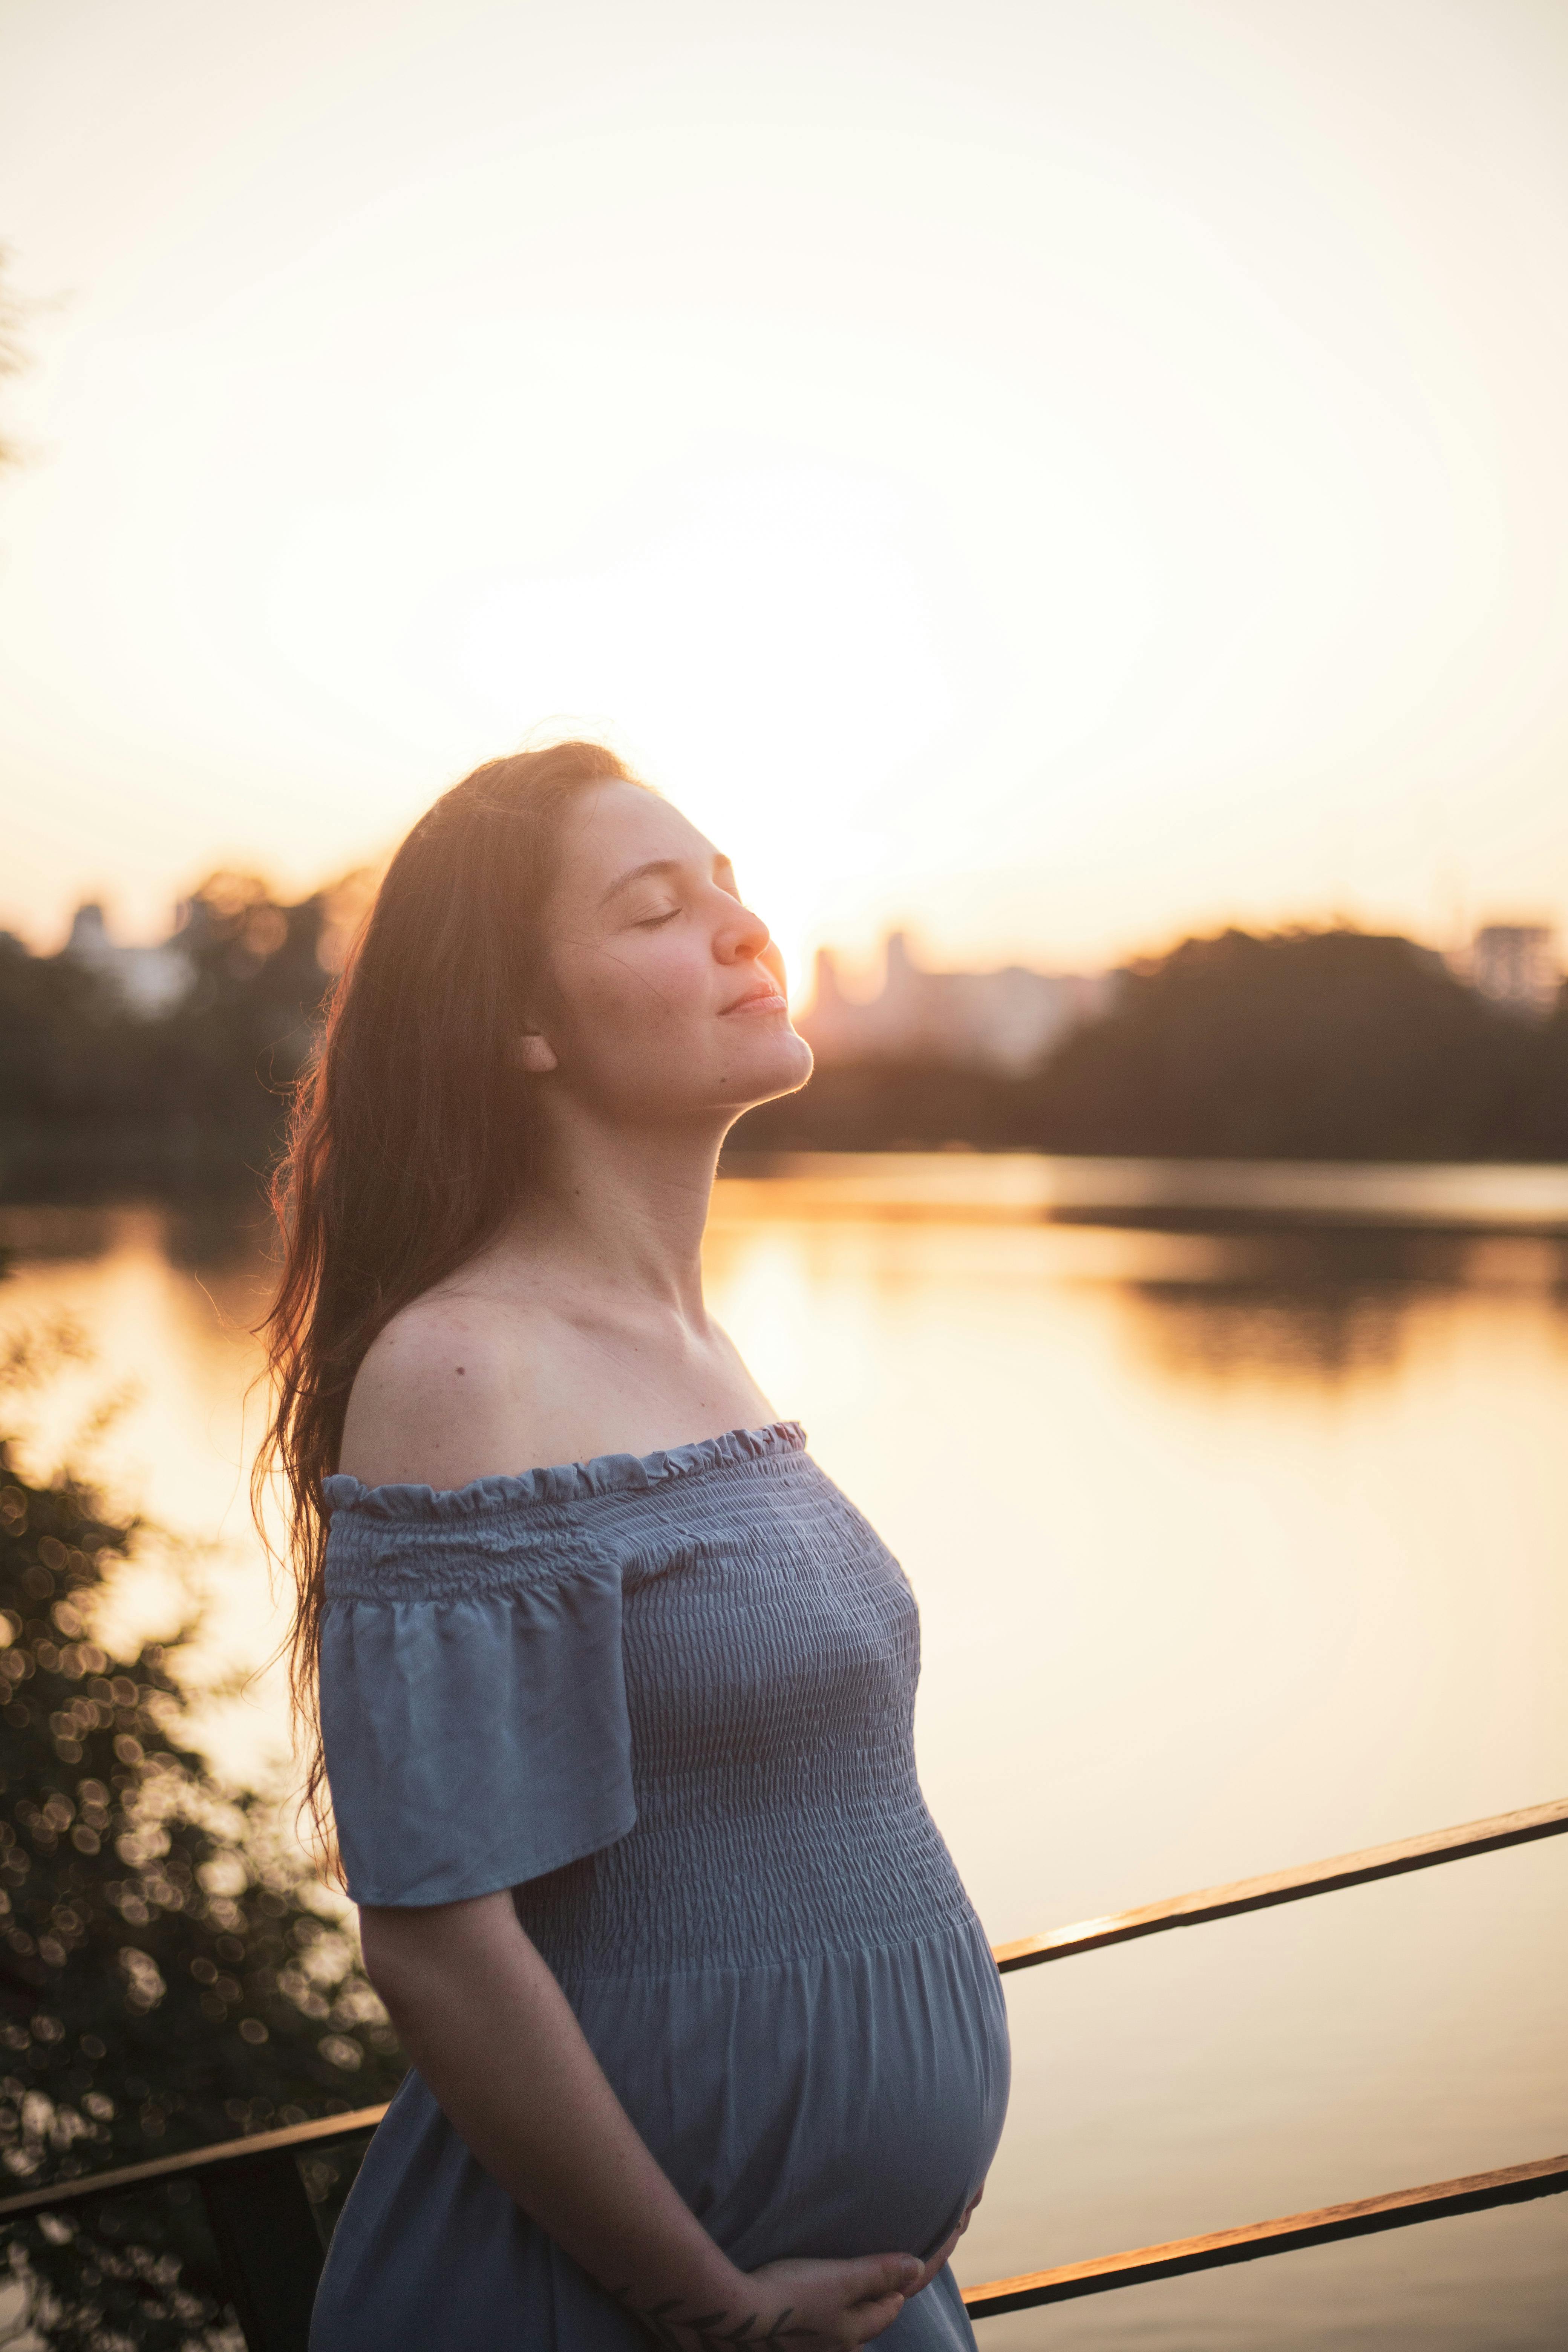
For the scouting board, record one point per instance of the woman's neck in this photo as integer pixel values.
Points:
(618, 1210)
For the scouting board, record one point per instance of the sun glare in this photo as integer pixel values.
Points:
(1059, 485)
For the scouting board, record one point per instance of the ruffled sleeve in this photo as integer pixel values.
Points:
(473, 1696)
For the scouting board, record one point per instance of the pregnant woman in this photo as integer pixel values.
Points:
(708, 2045)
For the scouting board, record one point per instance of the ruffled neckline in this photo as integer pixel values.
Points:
(568, 1482)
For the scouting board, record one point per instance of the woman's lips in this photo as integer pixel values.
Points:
(758, 1000)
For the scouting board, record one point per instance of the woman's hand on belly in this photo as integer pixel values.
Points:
(831, 2307)
(830, 2303)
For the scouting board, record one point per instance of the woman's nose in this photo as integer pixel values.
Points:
(743, 938)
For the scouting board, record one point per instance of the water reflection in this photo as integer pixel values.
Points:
(1259, 1331)
(1333, 1306)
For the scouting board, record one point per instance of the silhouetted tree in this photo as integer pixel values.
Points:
(887, 1106)
(1299, 1045)
(223, 1056)
(88, 1084)
(1304, 1045)
(1541, 1127)
(63, 1043)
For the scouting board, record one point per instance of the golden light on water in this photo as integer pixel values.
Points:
(1232, 1551)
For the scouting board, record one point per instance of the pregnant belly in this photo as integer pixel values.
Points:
(849, 2103)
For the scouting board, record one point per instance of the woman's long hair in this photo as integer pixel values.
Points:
(409, 1140)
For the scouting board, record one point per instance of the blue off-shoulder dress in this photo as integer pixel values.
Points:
(669, 1704)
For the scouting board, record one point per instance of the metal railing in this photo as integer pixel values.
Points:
(1288, 1886)
(262, 2220)
(1181, 2256)
(271, 2248)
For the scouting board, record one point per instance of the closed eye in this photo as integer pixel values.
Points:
(657, 922)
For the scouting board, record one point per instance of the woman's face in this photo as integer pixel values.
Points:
(662, 996)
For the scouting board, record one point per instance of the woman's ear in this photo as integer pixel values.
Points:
(534, 1054)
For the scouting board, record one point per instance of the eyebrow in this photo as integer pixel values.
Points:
(638, 873)
(653, 865)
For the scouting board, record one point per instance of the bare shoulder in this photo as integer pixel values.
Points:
(444, 1394)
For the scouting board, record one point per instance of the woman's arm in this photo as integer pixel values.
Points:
(492, 2034)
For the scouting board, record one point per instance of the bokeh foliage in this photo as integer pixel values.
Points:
(170, 1971)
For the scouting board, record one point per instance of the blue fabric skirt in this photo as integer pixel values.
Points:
(842, 2106)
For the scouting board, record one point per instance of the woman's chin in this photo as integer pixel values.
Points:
(776, 1065)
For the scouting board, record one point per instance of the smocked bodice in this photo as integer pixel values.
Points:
(717, 1658)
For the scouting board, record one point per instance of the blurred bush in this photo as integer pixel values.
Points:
(170, 1971)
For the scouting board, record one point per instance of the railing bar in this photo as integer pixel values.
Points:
(1474, 2193)
(1288, 1886)
(194, 2159)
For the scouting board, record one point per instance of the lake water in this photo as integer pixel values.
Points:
(1233, 1550)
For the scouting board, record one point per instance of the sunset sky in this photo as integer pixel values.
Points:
(1058, 472)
